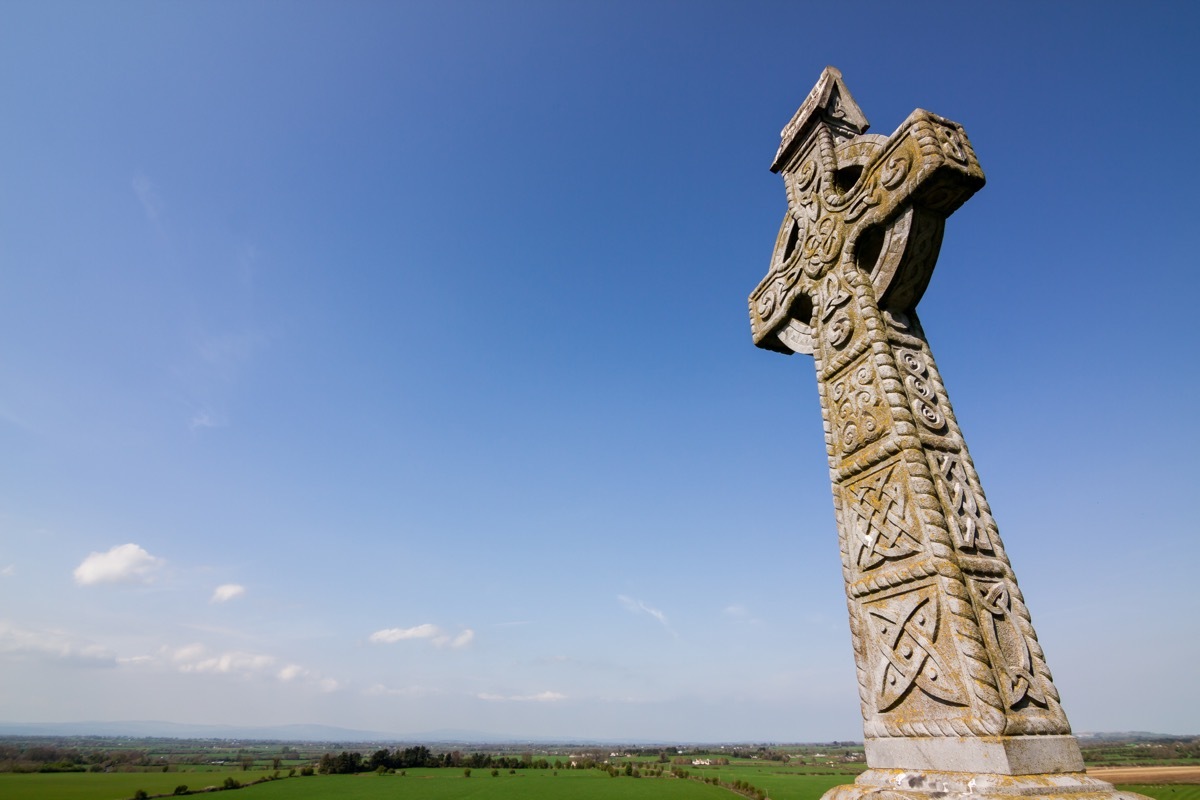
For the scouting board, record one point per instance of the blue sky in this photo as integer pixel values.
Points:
(388, 365)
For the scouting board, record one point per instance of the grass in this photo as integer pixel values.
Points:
(1168, 791)
(780, 783)
(113, 785)
(449, 784)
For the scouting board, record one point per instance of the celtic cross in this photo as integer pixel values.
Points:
(951, 677)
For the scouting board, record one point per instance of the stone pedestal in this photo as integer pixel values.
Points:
(897, 784)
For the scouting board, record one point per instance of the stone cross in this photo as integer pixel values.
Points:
(951, 678)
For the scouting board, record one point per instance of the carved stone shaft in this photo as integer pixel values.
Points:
(951, 676)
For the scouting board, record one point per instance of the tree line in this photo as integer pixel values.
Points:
(346, 762)
(50, 758)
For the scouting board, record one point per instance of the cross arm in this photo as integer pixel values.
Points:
(838, 191)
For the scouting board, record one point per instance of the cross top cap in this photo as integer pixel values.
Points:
(829, 102)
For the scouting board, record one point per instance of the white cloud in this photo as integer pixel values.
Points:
(135, 660)
(425, 631)
(540, 697)
(463, 639)
(8, 571)
(226, 592)
(195, 658)
(244, 663)
(125, 563)
(638, 607)
(187, 653)
(291, 672)
(393, 635)
(296, 673)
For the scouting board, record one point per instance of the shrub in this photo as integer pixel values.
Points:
(495, 773)
(181, 789)
(230, 783)
(141, 794)
(467, 772)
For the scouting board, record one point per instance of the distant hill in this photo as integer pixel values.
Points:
(156, 729)
(1132, 736)
(153, 729)
(175, 730)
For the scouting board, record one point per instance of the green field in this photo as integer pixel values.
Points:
(779, 781)
(1170, 791)
(446, 784)
(420, 784)
(113, 785)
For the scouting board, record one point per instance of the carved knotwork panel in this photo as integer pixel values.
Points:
(911, 650)
(881, 519)
(971, 527)
(1007, 641)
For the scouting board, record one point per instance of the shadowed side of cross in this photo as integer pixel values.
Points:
(878, 202)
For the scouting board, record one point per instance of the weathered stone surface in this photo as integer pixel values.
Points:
(952, 680)
(895, 784)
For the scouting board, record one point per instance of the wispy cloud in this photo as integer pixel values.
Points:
(540, 697)
(125, 563)
(147, 195)
(8, 571)
(225, 353)
(740, 613)
(205, 419)
(196, 658)
(235, 661)
(212, 370)
(424, 631)
(379, 690)
(461, 640)
(226, 592)
(53, 645)
(638, 607)
(295, 672)
(393, 635)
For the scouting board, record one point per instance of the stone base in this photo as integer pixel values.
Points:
(989, 755)
(895, 784)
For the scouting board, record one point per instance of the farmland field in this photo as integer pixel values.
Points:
(1159, 791)
(448, 784)
(111, 785)
(1149, 775)
(779, 781)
